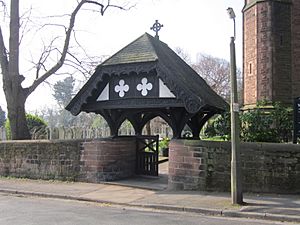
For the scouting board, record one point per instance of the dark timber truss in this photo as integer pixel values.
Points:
(177, 118)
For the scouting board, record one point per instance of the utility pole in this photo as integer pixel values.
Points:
(236, 182)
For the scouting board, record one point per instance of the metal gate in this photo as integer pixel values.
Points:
(147, 155)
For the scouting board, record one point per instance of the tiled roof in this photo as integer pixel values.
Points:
(140, 50)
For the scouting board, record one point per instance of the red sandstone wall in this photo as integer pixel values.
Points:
(205, 166)
(186, 167)
(75, 160)
(296, 47)
(282, 57)
(267, 52)
(40, 159)
(250, 55)
(264, 51)
(108, 159)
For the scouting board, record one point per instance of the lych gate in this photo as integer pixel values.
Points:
(144, 80)
(147, 155)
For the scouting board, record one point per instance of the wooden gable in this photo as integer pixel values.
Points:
(147, 79)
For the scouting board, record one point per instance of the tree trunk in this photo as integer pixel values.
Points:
(15, 94)
(17, 117)
(148, 128)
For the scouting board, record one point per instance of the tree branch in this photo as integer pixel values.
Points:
(3, 57)
(25, 19)
(3, 5)
(13, 65)
(60, 62)
(44, 56)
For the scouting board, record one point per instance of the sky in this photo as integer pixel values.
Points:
(196, 26)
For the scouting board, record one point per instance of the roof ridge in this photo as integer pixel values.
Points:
(151, 39)
(115, 58)
(154, 39)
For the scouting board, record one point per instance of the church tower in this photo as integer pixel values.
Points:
(296, 48)
(271, 51)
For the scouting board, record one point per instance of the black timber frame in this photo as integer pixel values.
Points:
(176, 118)
(194, 102)
(147, 155)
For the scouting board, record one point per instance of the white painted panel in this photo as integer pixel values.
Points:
(164, 91)
(104, 96)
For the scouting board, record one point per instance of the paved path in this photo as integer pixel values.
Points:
(272, 207)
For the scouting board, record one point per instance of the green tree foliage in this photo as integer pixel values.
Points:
(220, 126)
(63, 91)
(2, 117)
(265, 123)
(36, 125)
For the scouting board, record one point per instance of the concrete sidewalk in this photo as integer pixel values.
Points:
(271, 207)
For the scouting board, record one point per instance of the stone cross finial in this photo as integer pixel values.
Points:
(156, 27)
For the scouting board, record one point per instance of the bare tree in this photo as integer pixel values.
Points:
(2, 117)
(15, 94)
(215, 72)
(183, 54)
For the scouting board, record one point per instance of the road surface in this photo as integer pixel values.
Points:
(24, 210)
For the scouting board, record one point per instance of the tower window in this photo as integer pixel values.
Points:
(281, 40)
(250, 68)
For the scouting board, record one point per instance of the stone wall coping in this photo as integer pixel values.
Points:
(280, 147)
(114, 138)
(43, 141)
(86, 160)
(66, 140)
(205, 165)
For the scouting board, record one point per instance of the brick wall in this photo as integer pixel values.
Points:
(296, 47)
(250, 56)
(76, 160)
(186, 166)
(193, 165)
(264, 51)
(108, 159)
(282, 57)
(267, 51)
(40, 159)
(200, 165)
